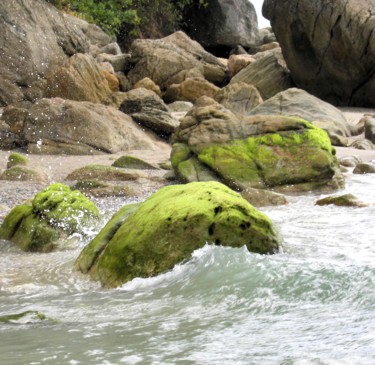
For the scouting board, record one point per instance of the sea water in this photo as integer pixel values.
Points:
(312, 304)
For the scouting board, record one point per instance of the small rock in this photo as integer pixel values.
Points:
(364, 168)
(132, 162)
(347, 200)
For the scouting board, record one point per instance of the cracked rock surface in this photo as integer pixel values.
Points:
(329, 47)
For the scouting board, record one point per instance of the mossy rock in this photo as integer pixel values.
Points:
(103, 172)
(23, 317)
(297, 154)
(346, 200)
(131, 162)
(150, 238)
(54, 213)
(100, 189)
(16, 158)
(25, 173)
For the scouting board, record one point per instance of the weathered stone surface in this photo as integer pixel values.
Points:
(237, 62)
(190, 89)
(364, 168)
(350, 161)
(107, 173)
(65, 126)
(100, 189)
(112, 81)
(346, 200)
(150, 238)
(79, 79)
(55, 212)
(299, 103)
(171, 59)
(362, 144)
(223, 23)
(269, 74)
(260, 151)
(240, 97)
(8, 140)
(148, 84)
(149, 110)
(35, 39)
(329, 47)
(263, 198)
(120, 62)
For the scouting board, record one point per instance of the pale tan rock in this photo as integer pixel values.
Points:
(237, 62)
(148, 84)
(190, 90)
(79, 79)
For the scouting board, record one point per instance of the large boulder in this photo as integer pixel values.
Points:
(223, 24)
(152, 237)
(35, 39)
(54, 212)
(299, 103)
(329, 47)
(261, 151)
(171, 59)
(80, 79)
(268, 73)
(55, 126)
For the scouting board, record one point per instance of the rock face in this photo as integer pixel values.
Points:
(299, 103)
(224, 23)
(269, 74)
(329, 47)
(54, 212)
(261, 151)
(79, 79)
(56, 126)
(152, 237)
(34, 39)
(171, 60)
(239, 97)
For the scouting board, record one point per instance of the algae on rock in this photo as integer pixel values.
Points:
(152, 237)
(54, 212)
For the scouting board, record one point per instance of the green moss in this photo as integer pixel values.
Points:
(180, 152)
(17, 316)
(288, 157)
(16, 158)
(13, 220)
(65, 208)
(175, 221)
(91, 252)
(83, 185)
(131, 162)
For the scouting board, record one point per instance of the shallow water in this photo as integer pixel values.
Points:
(312, 304)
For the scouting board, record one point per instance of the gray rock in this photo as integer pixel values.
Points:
(120, 62)
(328, 47)
(346, 200)
(111, 48)
(56, 126)
(149, 110)
(363, 144)
(350, 161)
(269, 74)
(370, 129)
(35, 39)
(224, 23)
(299, 103)
(364, 168)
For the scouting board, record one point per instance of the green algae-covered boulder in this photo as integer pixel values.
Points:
(146, 239)
(132, 162)
(54, 213)
(16, 158)
(262, 151)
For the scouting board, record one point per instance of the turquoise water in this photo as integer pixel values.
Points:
(312, 304)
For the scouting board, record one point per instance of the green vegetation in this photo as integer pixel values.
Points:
(125, 18)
